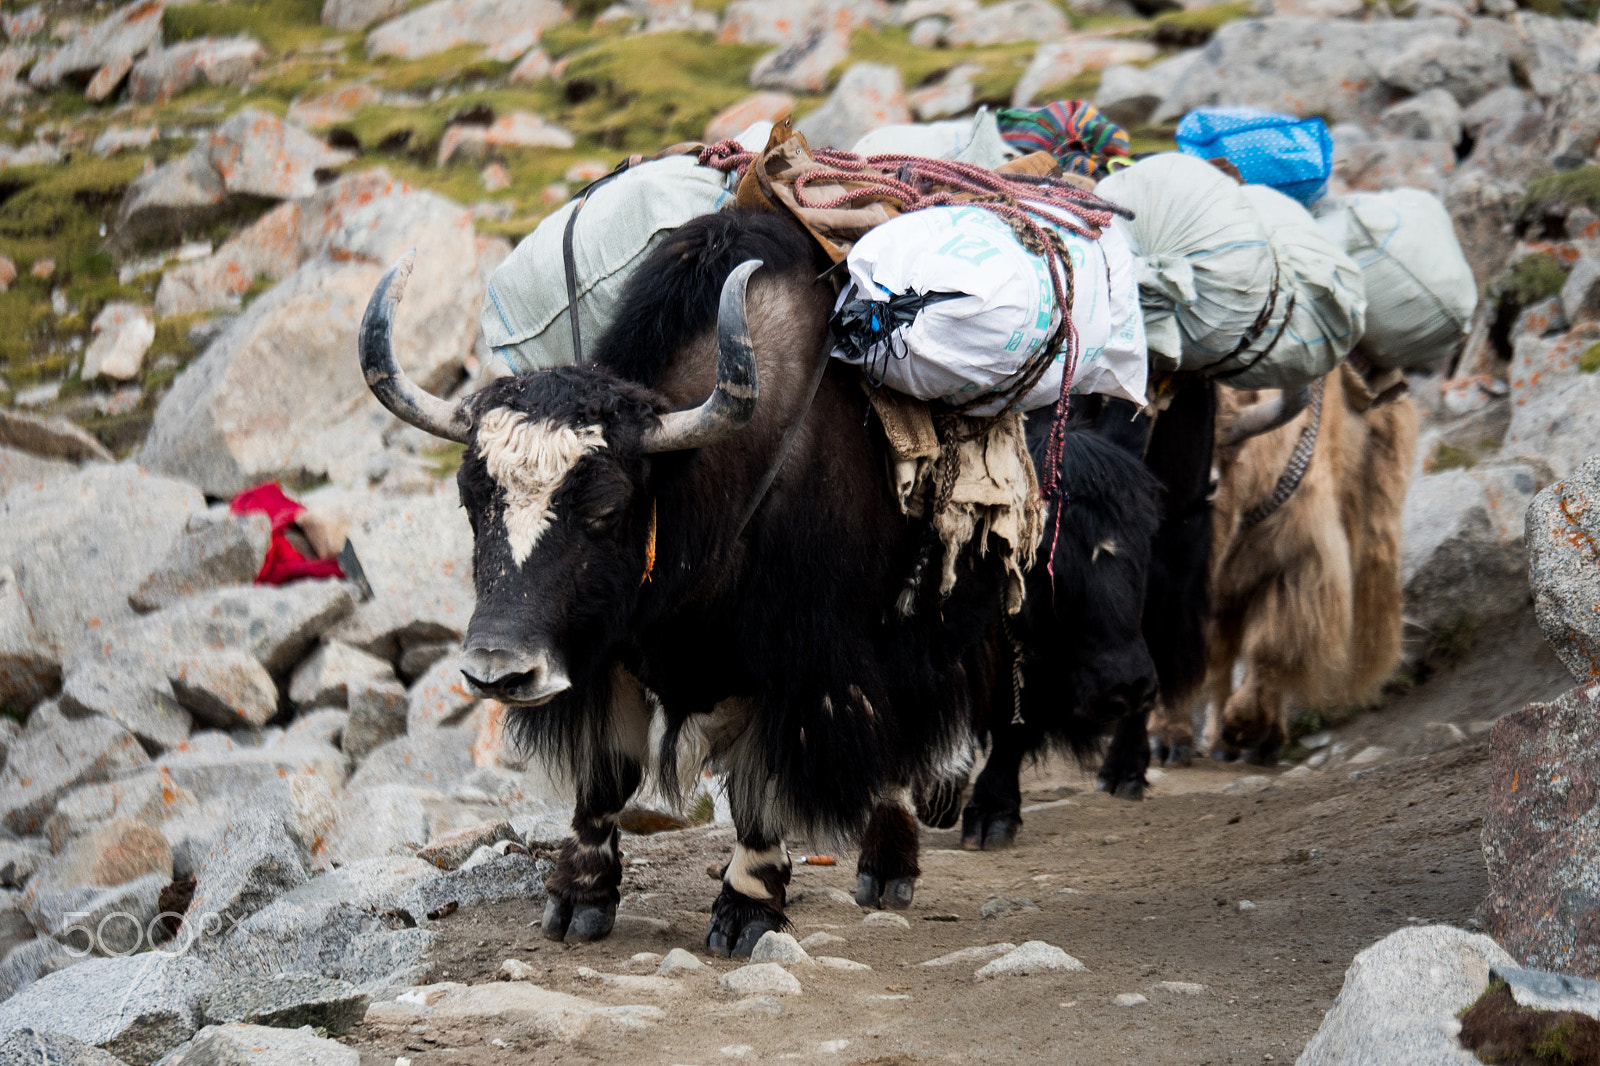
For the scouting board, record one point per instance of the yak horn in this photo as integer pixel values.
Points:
(1268, 415)
(403, 397)
(733, 402)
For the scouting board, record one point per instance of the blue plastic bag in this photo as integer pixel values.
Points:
(1293, 155)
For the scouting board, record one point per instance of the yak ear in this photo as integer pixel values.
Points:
(404, 398)
(733, 402)
(1268, 415)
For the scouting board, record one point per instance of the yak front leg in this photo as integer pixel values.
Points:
(886, 873)
(586, 886)
(755, 886)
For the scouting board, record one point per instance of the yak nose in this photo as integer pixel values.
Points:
(513, 677)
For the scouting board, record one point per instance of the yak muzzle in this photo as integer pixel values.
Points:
(518, 678)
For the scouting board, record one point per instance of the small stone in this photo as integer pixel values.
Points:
(885, 919)
(207, 555)
(449, 850)
(779, 948)
(123, 332)
(43, 268)
(29, 1047)
(767, 1005)
(818, 941)
(1003, 905)
(286, 1001)
(225, 688)
(678, 962)
(495, 177)
(531, 68)
(761, 978)
(1244, 906)
(258, 1045)
(1128, 999)
(644, 961)
(804, 64)
(516, 970)
(974, 954)
(833, 962)
(1034, 956)
(377, 714)
(832, 1047)
(1182, 988)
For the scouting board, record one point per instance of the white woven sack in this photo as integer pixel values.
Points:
(968, 140)
(524, 315)
(1311, 336)
(1420, 290)
(1203, 260)
(974, 344)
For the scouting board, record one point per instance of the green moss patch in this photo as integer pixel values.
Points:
(1555, 194)
(1530, 279)
(280, 25)
(1189, 29)
(1589, 361)
(1450, 457)
(1500, 1030)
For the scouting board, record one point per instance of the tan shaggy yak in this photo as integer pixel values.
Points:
(1307, 593)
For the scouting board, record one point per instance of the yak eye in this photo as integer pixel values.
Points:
(602, 517)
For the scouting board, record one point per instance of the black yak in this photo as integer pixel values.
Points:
(623, 543)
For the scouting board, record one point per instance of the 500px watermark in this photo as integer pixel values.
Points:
(119, 933)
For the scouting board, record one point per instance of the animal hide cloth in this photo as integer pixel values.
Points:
(996, 490)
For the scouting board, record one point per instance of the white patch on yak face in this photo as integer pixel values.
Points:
(529, 460)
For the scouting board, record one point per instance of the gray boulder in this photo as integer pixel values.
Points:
(286, 1001)
(211, 553)
(378, 821)
(29, 1047)
(165, 72)
(326, 677)
(50, 438)
(1007, 23)
(77, 547)
(359, 14)
(508, 28)
(26, 963)
(440, 697)
(279, 391)
(137, 1008)
(1555, 412)
(331, 927)
(1129, 94)
(1334, 67)
(253, 864)
(259, 1045)
(1401, 997)
(1433, 115)
(46, 763)
(228, 689)
(1563, 537)
(176, 194)
(18, 467)
(803, 64)
(377, 715)
(258, 154)
(869, 95)
(506, 877)
(126, 674)
(1465, 67)
(19, 858)
(1461, 553)
(105, 47)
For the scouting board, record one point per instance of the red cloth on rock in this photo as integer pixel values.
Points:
(283, 562)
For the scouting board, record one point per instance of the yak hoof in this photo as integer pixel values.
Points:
(557, 916)
(584, 922)
(896, 893)
(738, 923)
(1129, 790)
(982, 831)
(591, 923)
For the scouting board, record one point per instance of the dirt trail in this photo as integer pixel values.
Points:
(1141, 893)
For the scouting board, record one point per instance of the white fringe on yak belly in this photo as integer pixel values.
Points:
(996, 490)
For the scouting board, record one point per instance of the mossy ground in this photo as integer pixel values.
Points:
(1499, 1030)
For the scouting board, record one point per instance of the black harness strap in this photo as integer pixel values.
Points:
(1295, 471)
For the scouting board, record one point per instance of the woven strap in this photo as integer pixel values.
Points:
(1295, 471)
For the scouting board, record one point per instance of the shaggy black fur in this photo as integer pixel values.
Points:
(1177, 452)
(1085, 666)
(672, 299)
(843, 698)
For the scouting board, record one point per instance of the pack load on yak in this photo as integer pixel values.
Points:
(1420, 290)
